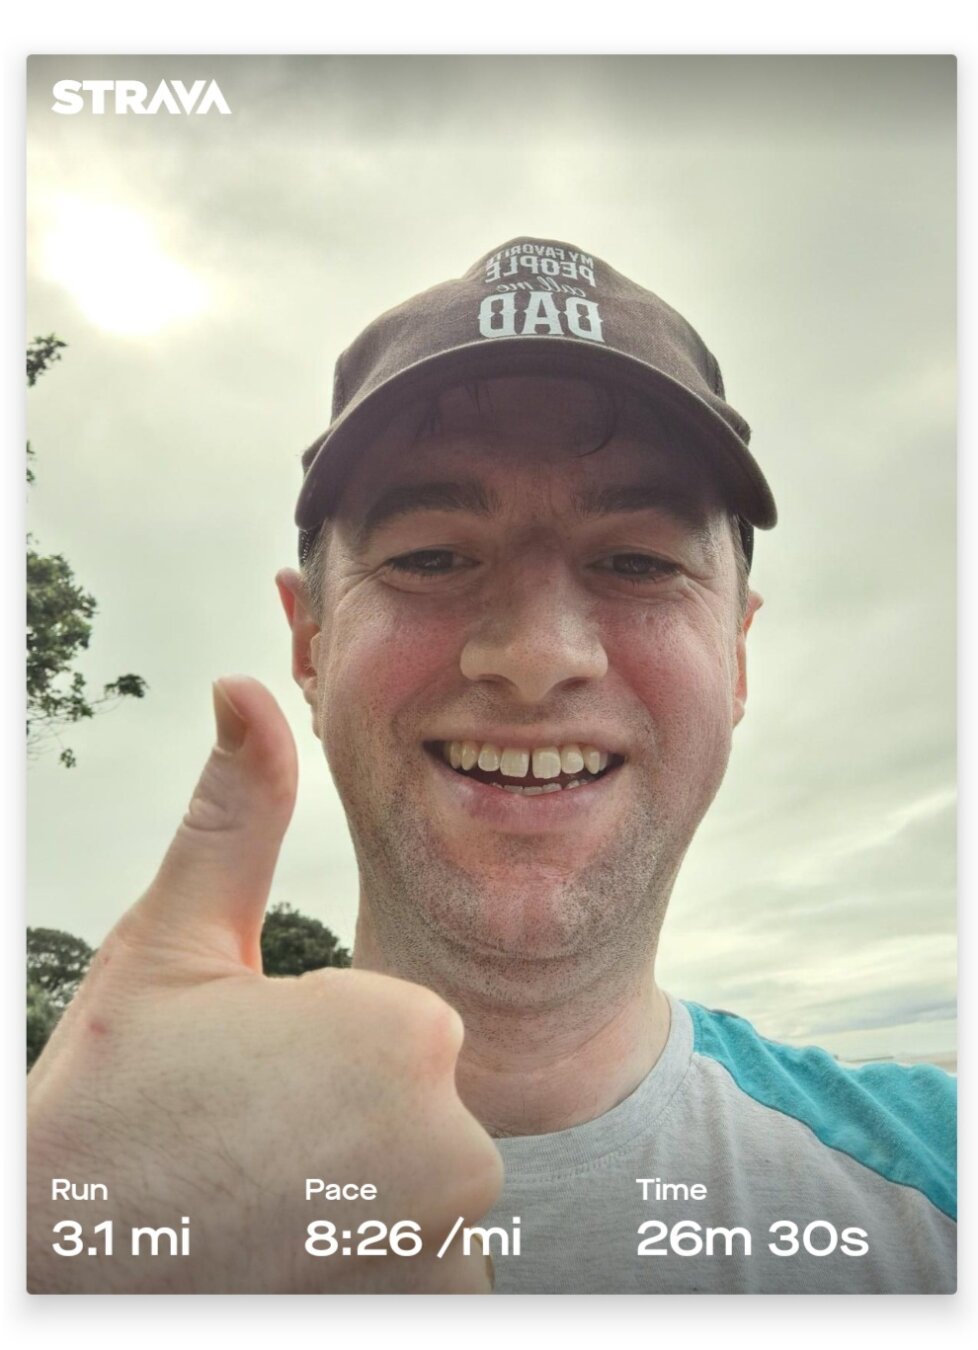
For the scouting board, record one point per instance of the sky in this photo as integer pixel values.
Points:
(206, 271)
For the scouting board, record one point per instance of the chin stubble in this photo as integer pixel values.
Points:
(432, 919)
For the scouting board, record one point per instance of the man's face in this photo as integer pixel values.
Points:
(497, 586)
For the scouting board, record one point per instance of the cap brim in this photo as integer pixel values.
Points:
(365, 419)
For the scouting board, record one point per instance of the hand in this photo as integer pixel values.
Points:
(193, 1087)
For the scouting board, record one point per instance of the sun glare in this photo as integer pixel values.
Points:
(110, 260)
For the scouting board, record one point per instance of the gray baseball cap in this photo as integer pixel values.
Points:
(533, 307)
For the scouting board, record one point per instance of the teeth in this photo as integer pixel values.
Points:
(571, 759)
(537, 790)
(514, 763)
(489, 759)
(592, 758)
(546, 762)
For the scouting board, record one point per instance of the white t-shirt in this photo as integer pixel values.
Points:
(838, 1180)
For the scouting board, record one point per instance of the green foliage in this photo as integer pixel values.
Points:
(56, 966)
(59, 624)
(57, 962)
(59, 617)
(292, 943)
(42, 1018)
(41, 353)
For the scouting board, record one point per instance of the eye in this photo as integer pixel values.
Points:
(638, 567)
(428, 562)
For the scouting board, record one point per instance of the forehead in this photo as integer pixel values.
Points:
(522, 430)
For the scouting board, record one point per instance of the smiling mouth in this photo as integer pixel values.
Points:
(530, 773)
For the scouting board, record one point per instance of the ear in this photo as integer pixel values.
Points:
(305, 637)
(754, 602)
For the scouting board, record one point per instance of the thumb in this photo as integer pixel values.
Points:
(213, 885)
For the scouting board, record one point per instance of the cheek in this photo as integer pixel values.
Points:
(680, 672)
(379, 662)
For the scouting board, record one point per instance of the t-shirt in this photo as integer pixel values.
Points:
(739, 1165)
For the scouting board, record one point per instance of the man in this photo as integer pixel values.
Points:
(520, 626)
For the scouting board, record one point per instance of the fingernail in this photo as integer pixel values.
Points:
(231, 726)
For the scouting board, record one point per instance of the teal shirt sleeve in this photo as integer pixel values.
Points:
(898, 1121)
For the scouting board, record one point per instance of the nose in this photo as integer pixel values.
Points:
(536, 634)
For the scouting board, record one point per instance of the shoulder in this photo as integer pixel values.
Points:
(899, 1121)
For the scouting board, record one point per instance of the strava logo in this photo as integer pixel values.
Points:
(132, 96)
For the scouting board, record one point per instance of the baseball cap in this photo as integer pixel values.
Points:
(533, 306)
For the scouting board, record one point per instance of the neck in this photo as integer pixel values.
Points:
(533, 1070)
(535, 1074)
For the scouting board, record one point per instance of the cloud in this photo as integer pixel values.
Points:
(800, 211)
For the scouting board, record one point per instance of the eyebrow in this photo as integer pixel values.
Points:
(664, 494)
(468, 495)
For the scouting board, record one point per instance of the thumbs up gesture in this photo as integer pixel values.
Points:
(190, 1093)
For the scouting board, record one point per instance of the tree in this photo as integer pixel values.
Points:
(57, 963)
(292, 943)
(41, 353)
(42, 1018)
(56, 966)
(59, 623)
